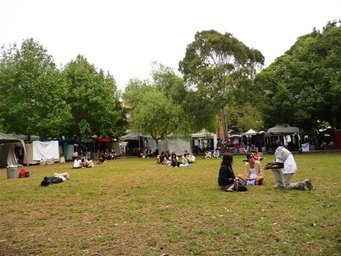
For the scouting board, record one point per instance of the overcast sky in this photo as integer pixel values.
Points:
(124, 37)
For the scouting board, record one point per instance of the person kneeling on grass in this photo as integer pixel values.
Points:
(254, 173)
(284, 168)
(226, 179)
(56, 178)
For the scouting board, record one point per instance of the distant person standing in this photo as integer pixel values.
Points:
(284, 168)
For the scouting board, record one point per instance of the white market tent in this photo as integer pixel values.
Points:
(249, 133)
(288, 135)
(283, 129)
(204, 135)
(174, 144)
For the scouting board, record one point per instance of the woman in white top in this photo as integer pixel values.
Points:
(254, 172)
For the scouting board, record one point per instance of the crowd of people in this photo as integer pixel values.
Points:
(173, 160)
(283, 168)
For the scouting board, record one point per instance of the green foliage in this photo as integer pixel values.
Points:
(197, 110)
(304, 85)
(93, 100)
(32, 99)
(221, 68)
(133, 91)
(215, 62)
(165, 106)
(157, 115)
(241, 119)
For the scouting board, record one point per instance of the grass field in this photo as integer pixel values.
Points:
(132, 206)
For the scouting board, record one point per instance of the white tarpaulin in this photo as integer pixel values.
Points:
(150, 144)
(11, 158)
(45, 150)
(177, 145)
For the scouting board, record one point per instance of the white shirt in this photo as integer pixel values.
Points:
(283, 155)
(77, 163)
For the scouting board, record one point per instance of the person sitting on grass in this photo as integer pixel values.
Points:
(188, 157)
(101, 158)
(87, 162)
(254, 172)
(208, 154)
(216, 153)
(174, 160)
(226, 175)
(77, 163)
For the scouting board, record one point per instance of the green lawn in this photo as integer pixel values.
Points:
(135, 207)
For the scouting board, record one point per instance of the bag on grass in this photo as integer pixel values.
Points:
(239, 185)
(24, 173)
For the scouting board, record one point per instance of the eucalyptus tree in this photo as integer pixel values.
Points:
(33, 91)
(93, 98)
(197, 113)
(219, 66)
(303, 87)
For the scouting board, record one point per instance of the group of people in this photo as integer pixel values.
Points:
(209, 154)
(172, 160)
(283, 170)
(84, 161)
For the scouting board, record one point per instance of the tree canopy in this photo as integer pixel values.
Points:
(39, 99)
(93, 100)
(33, 91)
(221, 68)
(157, 105)
(303, 86)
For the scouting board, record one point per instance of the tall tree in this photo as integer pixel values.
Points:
(33, 91)
(157, 106)
(157, 115)
(197, 110)
(93, 100)
(218, 64)
(304, 85)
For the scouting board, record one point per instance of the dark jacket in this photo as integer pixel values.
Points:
(226, 176)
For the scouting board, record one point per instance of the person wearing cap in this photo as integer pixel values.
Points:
(284, 168)
(253, 171)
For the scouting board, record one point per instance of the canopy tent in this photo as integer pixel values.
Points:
(7, 149)
(132, 143)
(283, 129)
(204, 134)
(131, 136)
(287, 135)
(204, 140)
(174, 145)
(249, 133)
